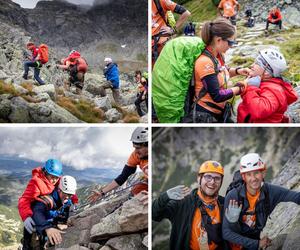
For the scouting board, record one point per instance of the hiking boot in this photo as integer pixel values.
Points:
(25, 77)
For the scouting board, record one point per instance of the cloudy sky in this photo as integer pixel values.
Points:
(78, 147)
(32, 3)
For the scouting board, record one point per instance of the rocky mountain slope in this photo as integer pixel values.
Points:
(23, 101)
(178, 152)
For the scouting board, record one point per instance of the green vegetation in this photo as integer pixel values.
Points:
(82, 109)
(201, 10)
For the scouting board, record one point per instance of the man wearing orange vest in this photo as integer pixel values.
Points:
(196, 216)
(161, 30)
(274, 18)
(230, 9)
(248, 205)
(138, 158)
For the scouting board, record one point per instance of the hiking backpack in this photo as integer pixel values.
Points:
(44, 53)
(173, 86)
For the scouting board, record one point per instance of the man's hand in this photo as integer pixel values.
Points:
(233, 211)
(178, 192)
(244, 71)
(29, 225)
(54, 235)
(166, 30)
(94, 196)
(264, 242)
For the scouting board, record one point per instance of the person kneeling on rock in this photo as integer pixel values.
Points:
(50, 211)
(111, 72)
(77, 67)
(35, 61)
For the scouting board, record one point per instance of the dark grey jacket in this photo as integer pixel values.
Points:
(242, 234)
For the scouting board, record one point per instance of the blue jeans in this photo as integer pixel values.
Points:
(37, 70)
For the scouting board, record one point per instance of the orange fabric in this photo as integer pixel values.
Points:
(203, 67)
(134, 161)
(38, 185)
(43, 53)
(136, 189)
(250, 220)
(82, 65)
(228, 7)
(141, 88)
(157, 20)
(198, 232)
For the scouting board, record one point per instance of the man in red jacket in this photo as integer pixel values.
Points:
(267, 95)
(274, 18)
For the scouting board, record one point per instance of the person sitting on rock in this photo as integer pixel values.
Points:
(139, 157)
(77, 67)
(250, 18)
(43, 182)
(267, 96)
(248, 205)
(142, 92)
(230, 9)
(111, 73)
(51, 210)
(34, 62)
(189, 29)
(274, 18)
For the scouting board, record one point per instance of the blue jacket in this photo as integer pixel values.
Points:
(111, 72)
(45, 217)
(239, 233)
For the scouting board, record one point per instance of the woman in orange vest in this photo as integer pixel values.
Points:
(212, 87)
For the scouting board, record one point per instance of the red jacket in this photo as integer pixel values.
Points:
(266, 104)
(38, 185)
(277, 16)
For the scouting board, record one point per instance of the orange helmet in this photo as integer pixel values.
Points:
(211, 167)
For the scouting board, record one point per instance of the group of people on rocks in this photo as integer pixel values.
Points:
(265, 94)
(77, 67)
(50, 196)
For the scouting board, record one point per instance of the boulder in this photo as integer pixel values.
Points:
(126, 242)
(48, 88)
(113, 115)
(103, 103)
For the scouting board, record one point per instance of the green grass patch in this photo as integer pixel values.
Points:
(203, 10)
(82, 109)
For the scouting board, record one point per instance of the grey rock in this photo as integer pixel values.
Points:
(42, 97)
(94, 246)
(103, 103)
(113, 115)
(48, 88)
(126, 242)
(19, 111)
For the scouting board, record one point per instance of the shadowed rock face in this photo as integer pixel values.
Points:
(63, 24)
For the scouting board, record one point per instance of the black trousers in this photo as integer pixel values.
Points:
(275, 23)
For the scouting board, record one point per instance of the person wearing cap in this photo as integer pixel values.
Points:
(196, 215)
(51, 210)
(268, 95)
(77, 67)
(111, 73)
(138, 158)
(33, 61)
(248, 206)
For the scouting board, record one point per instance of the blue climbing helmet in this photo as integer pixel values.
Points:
(53, 167)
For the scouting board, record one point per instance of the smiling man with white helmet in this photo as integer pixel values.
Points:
(138, 158)
(267, 95)
(248, 206)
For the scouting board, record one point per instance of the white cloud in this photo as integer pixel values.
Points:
(32, 3)
(78, 147)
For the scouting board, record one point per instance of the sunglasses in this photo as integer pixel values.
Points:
(230, 42)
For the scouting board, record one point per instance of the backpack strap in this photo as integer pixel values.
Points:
(160, 11)
(47, 200)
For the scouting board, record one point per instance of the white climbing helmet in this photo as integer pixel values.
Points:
(275, 59)
(251, 162)
(108, 60)
(68, 184)
(140, 135)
